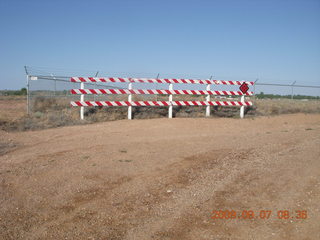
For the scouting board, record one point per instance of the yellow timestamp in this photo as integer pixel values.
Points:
(259, 214)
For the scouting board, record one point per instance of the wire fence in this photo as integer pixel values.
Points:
(55, 83)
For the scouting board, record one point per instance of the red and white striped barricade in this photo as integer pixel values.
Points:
(244, 87)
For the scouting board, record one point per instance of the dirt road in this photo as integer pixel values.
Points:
(162, 179)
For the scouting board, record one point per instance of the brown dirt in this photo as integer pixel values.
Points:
(12, 108)
(161, 179)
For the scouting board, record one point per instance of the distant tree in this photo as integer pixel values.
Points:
(23, 91)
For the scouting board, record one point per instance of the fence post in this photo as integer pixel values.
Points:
(82, 99)
(157, 86)
(208, 99)
(254, 88)
(170, 101)
(28, 96)
(55, 87)
(292, 89)
(242, 107)
(95, 85)
(130, 100)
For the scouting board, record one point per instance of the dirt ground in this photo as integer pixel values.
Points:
(12, 108)
(162, 179)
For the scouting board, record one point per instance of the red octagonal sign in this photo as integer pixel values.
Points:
(244, 88)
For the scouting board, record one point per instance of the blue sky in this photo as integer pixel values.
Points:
(277, 41)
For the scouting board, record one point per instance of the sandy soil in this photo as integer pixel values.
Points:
(12, 108)
(161, 179)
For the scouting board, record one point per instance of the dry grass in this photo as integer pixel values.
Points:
(55, 112)
(267, 107)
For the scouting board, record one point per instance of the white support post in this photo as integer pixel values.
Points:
(242, 107)
(130, 100)
(208, 99)
(82, 99)
(170, 100)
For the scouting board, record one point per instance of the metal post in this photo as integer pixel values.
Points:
(157, 86)
(254, 87)
(170, 101)
(130, 100)
(82, 99)
(208, 99)
(55, 87)
(54, 79)
(28, 96)
(28, 92)
(95, 86)
(242, 107)
(292, 89)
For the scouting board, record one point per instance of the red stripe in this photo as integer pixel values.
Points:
(173, 80)
(72, 91)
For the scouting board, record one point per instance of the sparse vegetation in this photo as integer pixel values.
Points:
(262, 95)
(56, 112)
(266, 107)
(22, 91)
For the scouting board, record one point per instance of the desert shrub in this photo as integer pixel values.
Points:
(43, 104)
